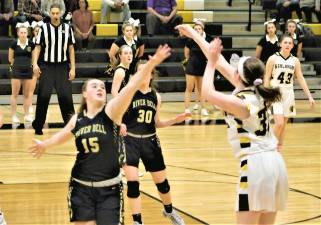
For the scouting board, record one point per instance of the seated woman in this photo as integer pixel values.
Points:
(83, 25)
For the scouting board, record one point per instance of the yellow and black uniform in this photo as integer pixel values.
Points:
(21, 68)
(141, 141)
(263, 183)
(95, 191)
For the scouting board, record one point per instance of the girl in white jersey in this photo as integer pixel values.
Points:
(281, 68)
(263, 186)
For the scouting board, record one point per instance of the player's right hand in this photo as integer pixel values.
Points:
(37, 149)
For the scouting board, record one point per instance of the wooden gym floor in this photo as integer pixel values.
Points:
(201, 170)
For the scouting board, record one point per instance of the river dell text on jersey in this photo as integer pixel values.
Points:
(143, 102)
(98, 128)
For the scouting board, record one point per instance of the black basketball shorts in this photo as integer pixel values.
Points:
(148, 149)
(101, 204)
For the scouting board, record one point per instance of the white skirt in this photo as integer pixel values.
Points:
(263, 183)
(286, 106)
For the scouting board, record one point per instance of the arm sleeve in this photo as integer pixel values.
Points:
(119, 41)
(13, 45)
(71, 38)
(40, 37)
(261, 41)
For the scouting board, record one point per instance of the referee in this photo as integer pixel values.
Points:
(56, 43)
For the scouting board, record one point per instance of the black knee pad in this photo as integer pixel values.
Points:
(133, 189)
(163, 187)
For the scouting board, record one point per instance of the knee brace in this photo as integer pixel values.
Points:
(163, 187)
(133, 189)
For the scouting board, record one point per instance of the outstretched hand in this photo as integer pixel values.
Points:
(37, 149)
(161, 54)
(186, 30)
(182, 117)
(215, 50)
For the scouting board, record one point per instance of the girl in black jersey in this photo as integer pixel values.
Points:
(127, 39)
(142, 118)
(20, 59)
(196, 62)
(268, 44)
(121, 77)
(95, 193)
(291, 29)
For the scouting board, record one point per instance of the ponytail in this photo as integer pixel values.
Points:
(250, 73)
(270, 95)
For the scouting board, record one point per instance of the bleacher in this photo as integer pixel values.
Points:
(227, 22)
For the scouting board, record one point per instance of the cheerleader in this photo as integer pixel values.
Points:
(20, 57)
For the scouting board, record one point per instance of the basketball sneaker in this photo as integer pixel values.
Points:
(2, 221)
(204, 112)
(174, 217)
(135, 223)
(15, 122)
(27, 121)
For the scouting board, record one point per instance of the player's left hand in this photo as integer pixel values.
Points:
(37, 149)
(181, 117)
(123, 130)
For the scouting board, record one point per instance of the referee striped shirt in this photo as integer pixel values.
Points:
(55, 41)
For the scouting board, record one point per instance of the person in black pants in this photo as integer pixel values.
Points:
(56, 39)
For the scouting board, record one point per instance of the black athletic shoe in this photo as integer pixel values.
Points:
(37, 131)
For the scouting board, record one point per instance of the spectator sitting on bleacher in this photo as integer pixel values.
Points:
(285, 8)
(162, 12)
(29, 10)
(45, 8)
(268, 44)
(83, 23)
(310, 6)
(127, 39)
(6, 14)
(121, 7)
(71, 6)
(291, 29)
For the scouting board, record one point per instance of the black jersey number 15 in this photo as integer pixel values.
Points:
(90, 144)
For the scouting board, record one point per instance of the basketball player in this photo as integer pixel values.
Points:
(124, 57)
(95, 191)
(281, 68)
(142, 118)
(263, 185)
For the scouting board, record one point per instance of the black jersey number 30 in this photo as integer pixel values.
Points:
(264, 124)
(145, 116)
(285, 79)
(90, 144)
